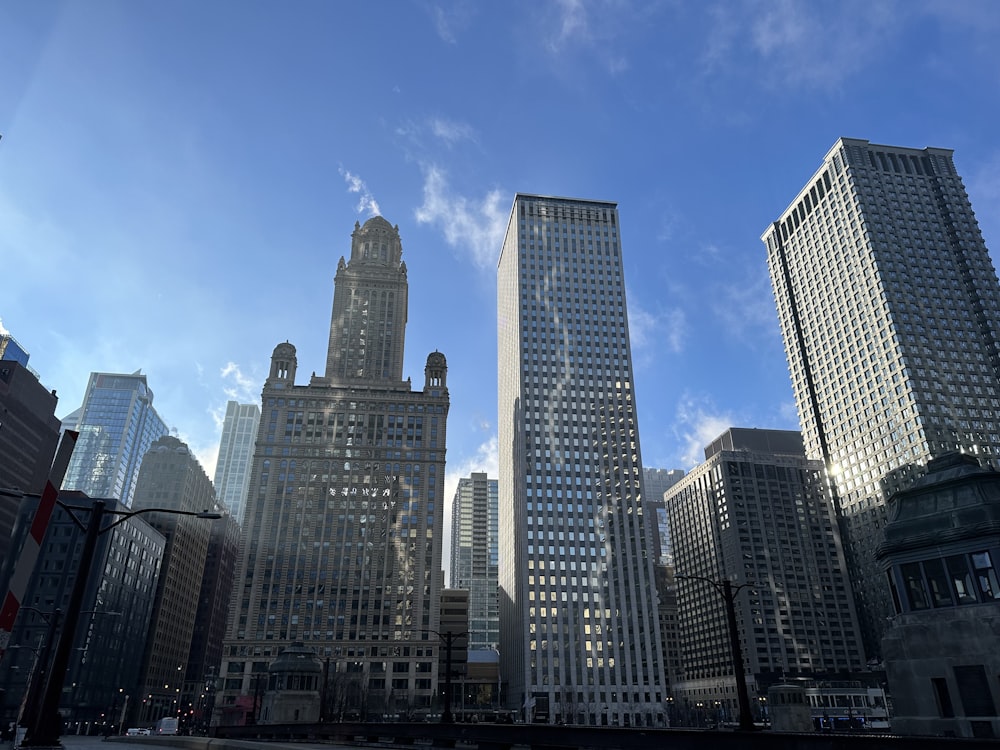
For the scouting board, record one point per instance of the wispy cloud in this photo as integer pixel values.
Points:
(594, 29)
(795, 43)
(821, 44)
(698, 422)
(746, 309)
(665, 329)
(3, 331)
(239, 387)
(470, 226)
(451, 18)
(366, 201)
(573, 24)
(451, 131)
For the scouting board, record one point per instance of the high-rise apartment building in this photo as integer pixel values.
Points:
(232, 470)
(474, 556)
(343, 524)
(117, 425)
(171, 478)
(758, 512)
(890, 310)
(579, 629)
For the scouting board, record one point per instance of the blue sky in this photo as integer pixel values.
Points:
(178, 179)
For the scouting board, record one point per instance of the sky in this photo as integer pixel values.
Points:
(179, 179)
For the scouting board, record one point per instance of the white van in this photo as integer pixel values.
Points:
(167, 725)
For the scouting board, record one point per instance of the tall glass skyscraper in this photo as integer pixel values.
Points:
(232, 470)
(345, 511)
(117, 425)
(579, 628)
(890, 310)
(474, 556)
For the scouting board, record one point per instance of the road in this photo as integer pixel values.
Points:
(80, 742)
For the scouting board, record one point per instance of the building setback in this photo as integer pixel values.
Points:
(758, 512)
(890, 311)
(232, 471)
(117, 424)
(579, 628)
(474, 556)
(342, 532)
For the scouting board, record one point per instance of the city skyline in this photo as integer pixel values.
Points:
(241, 144)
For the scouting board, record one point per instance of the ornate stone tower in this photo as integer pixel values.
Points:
(345, 507)
(369, 307)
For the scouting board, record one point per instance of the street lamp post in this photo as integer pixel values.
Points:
(728, 593)
(44, 730)
(448, 638)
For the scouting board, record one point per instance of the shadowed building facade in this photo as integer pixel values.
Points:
(171, 478)
(343, 525)
(758, 512)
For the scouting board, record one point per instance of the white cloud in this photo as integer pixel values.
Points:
(3, 331)
(573, 23)
(451, 18)
(474, 228)
(589, 31)
(366, 201)
(813, 44)
(697, 425)
(746, 308)
(485, 459)
(451, 131)
(797, 43)
(662, 330)
(241, 388)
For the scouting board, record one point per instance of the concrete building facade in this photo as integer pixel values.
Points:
(889, 307)
(580, 639)
(343, 528)
(474, 556)
(941, 556)
(232, 470)
(757, 512)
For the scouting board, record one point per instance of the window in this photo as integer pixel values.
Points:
(974, 691)
(942, 697)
